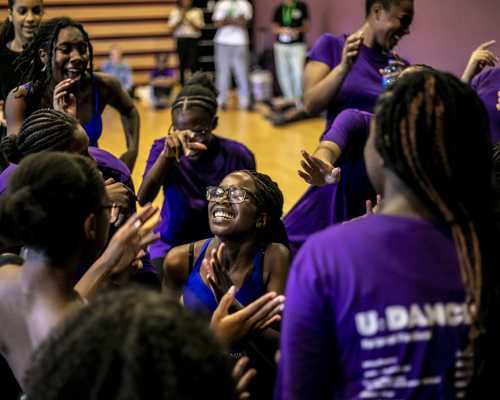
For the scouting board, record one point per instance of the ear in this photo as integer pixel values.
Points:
(262, 221)
(43, 56)
(377, 11)
(90, 227)
(215, 122)
(9, 14)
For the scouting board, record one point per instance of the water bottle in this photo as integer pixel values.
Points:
(389, 69)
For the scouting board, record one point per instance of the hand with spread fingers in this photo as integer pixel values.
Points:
(350, 52)
(240, 326)
(215, 273)
(180, 143)
(64, 100)
(318, 172)
(480, 58)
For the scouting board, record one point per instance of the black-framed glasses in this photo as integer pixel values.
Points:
(198, 135)
(235, 195)
(114, 212)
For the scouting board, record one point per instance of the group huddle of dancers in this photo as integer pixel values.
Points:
(381, 282)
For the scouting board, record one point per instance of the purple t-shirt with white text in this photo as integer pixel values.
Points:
(362, 86)
(323, 206)
(375, 309)
(487, 86)
(185, 208)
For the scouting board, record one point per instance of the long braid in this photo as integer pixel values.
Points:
(433, 132)
(199, 91)
(45, 129)
(271, 202)
(33, 70)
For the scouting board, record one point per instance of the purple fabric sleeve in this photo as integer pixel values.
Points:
(4, 177)
(487, 86)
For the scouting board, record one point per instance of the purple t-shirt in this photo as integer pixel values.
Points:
(487, 86)
(375, 309)
(362, 86)
(323, 206)
(155, 73)
(185, 208)
(5, 176)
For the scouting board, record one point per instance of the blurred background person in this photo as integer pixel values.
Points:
(119, 68)
(161, 79)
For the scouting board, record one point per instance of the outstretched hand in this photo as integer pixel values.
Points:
(480, 58)
(242, 380)
(63, 100)
(351, 50)
(317, 172)
(127, 243)
(215, 273)
(231, 329)
(178, 144)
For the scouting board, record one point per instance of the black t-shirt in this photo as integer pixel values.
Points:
(298, 14)
(9, 79)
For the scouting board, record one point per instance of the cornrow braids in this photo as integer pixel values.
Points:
(131, 344)
(271, 202)
(45, 129)
(423, 127)
(199, 91)
(29, 63)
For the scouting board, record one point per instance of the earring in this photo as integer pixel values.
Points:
(44, 67)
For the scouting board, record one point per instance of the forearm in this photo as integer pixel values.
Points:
(266, 343)
(319, 96)
(131, 126)
(95, 280)
(467, 76)
(153, 180)
(325, 154)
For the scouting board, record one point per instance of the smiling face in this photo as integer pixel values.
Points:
(71, 57)
(200, 122)
(391, 25)
(26, 16)
(227, 218)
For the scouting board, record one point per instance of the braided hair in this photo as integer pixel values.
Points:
(45, 129)
(131, 344)
(31, 66)
(386, 5)
(48, 197)
(423, 130)
(271, 202)
(199, 91)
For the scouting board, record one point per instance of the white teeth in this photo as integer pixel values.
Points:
(222, 215)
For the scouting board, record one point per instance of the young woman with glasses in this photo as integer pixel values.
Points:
(185, 162)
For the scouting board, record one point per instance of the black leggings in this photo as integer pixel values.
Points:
(187, 49)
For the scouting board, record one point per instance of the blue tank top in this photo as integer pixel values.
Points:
(199, 297)
(94, 126)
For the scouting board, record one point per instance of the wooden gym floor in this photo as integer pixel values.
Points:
(276, 149)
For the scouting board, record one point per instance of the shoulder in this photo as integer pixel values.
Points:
(108, 160)
(486, 77)
(353, 116)
(277, 262)
(106, 82)
(328, 40)
(176, 264)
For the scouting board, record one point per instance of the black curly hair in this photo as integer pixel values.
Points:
(131, 344)
(48, 197)
(31, 66)
(423, 127)
(199, 91)
(45, 129)
(386, 4)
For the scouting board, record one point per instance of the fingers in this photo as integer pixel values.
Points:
(369, 207)
(223, 308)
(305, 176)
(239, 368)
(486, 45)
(243, 383)
(399, 59)
(109, 181)
(208, 270)
(379, 202)
(270, 322)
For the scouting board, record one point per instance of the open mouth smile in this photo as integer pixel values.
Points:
(222, 215)
(73, 73)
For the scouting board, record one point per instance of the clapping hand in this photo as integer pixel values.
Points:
(317, 172)
(215, 273)
(351, 50)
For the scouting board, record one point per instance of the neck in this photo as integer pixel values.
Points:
(400, 200)
(370, 40)
(238, 251)
(17, 44)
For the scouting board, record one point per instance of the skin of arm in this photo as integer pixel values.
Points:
(321, 84)
(176, 267)
(319, 168)
(111, 90)
(16, 110)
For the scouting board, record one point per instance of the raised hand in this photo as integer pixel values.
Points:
(231, 329)
(480, 58)
(398, 63)
(351, 50)
(63, 100)
(128, 241)
(243, 379)
(215, 273)
(317, 172)
(178, 144)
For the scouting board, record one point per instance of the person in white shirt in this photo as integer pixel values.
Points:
(232, 53)
(186, 23)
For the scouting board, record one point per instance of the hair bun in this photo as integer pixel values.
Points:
(10, 150)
